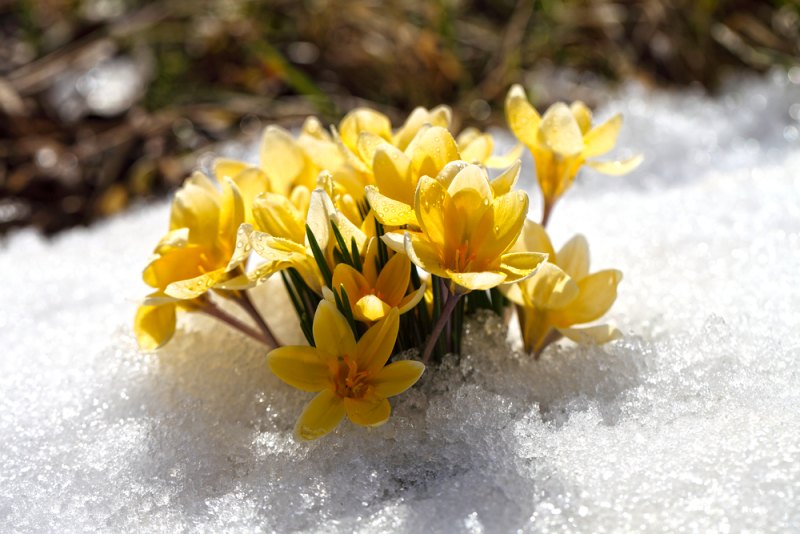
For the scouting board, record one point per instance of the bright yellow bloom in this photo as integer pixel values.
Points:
(282, 239)
(350, 377)
(562, 141)
(562, 293)
(197, 254)
(432, 152)
(467, 231)
(371, 294)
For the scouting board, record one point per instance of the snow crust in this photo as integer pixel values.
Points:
(691, 422)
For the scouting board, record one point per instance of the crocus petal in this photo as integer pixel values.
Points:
(617, 168)
(276, 248)
(158, 298)
(370, 264)
(502, 161)
(476, 149)
(375, 346)
(471, 177)
(282, 159)
(367, 144)
(602, 138)
(582, 114)
(231, 212)
(392, 282)
(320, 416)
(592, 334)
(278, 216)
(177, 264)
(300, 367)
(559, 131)
(533, 238)
(257, 276)
(438, 116)
(369, 411)
(154, 325)
(518, 266)
(392, 170)
(429, 207)
(194, 287)
(241, 251)
(514, 292)
(432, 150)
(332, 333)
(196, 206)
(174, 239)
(449, 171)
(251, 182)
(370, 308)
(551, 288)
(477, 281)
(395, 241)
(397, 377)
(320, 208)
(598, 291)
(509, 213)
(388, 211)
(412, 299)
(522, 118)
(423, 254)
(364, 120)
(228, 168)
(353, 282)
(573, 258)
(507, 179)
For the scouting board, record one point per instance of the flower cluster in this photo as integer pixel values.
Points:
(385, 239)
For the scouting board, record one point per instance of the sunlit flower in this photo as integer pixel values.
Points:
(197, 254)
(373, 294)
(281, 236)
(397, 173)
(350, 378)
(562, 141)
(562, 293)
(467, 231)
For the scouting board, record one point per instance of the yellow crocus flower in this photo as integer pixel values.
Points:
(195, 255)
(350, 378)
(281, 237)
(562, 141)
(372, 294)
(433, 151)
(562, 293)
(467, 231)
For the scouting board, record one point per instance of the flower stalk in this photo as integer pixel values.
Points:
(211, 309)
(444, 319)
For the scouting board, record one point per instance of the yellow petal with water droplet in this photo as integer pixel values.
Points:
(602, 138)
(617, 168)
(320, 416)
(522, 118)
(559, 131)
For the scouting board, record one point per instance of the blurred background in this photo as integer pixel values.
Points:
(104, 103)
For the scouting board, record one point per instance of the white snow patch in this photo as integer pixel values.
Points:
(691, 422)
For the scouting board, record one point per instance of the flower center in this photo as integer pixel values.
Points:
(463, 258)
(349, 382)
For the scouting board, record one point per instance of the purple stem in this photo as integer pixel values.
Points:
(444, 318)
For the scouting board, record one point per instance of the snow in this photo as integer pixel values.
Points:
(690, 422)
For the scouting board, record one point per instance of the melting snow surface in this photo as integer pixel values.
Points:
(691, 422)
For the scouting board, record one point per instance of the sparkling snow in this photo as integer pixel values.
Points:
(691, 422)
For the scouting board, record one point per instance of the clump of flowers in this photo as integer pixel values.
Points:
(385, 240)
